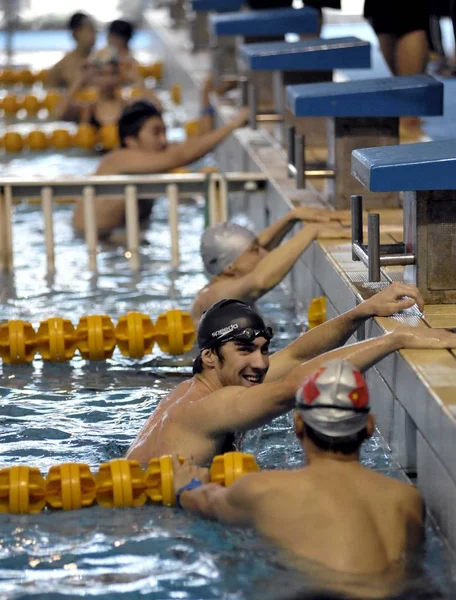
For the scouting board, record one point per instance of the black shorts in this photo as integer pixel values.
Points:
(385, 16)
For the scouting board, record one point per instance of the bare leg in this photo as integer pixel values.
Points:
(387, 43)
(412, 53)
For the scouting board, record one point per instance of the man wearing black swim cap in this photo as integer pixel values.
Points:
(237, 386)
(145, 150)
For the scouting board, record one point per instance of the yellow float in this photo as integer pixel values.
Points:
(119, 483)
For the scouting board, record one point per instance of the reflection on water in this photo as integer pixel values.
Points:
(91, 412)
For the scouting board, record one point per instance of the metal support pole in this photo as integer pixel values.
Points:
(172, 193)
(356, 221)
(291, 132)
(90, 225)
(373, 232)
(46, 202)
(244, 88)
(252, 93)
(8, 228)
(299, 151)
(132, 226)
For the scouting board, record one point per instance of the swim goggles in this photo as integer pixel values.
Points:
(360, 409)
(248, 335)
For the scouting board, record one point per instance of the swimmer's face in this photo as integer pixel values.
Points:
(244, 363)
(106, 76)
(152, 136)
(86, 34)
(116, 41)
(250, 258)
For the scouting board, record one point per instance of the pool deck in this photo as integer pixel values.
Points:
(415, 399)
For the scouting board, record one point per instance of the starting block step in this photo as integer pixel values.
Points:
(407, 167)
(216, 5)
(264, 23)
(407, 96)
(307, 55)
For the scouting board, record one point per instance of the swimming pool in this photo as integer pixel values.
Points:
(90, 412)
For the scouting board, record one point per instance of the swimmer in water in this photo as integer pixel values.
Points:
(145, 150)
(69, 68)
(246, 266)
(103, 74)
(334, 511)
(237, 386)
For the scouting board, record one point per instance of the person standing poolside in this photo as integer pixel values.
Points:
(237, 386)
(245, 266)
(70, 66)
(333, 511)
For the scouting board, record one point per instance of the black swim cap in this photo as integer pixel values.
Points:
(133, 118)
(227, 317)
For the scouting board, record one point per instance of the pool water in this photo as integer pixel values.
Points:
(90, 412)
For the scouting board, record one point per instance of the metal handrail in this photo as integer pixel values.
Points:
(132, 188)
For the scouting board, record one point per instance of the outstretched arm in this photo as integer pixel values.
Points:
(335, 332)
(177, 155)
(238, 409)
(273, 235)
(277, 264)
(231, 505)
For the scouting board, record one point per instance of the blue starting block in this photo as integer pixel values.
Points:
(216, 5)
(360, 114)
(305, 61)
(307, 55)
(425, 173)
(414, 95)
(265, 23)
(256, 25)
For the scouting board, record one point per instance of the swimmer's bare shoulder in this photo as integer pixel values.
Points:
(111, 163)
(216, 290)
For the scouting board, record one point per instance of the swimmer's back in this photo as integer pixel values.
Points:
(348, 518)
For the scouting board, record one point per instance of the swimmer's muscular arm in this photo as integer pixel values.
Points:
(234, 505)
(275, 266)
(177, 155)
(336, 332)
(273, 235)
(239, 409)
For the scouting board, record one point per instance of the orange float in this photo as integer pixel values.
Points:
(37, 140)
(86, 136)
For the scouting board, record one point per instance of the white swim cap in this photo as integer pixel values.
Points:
(334, 401)
(222, 244)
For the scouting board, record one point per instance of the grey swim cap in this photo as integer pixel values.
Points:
(222, 244)
(334, 400)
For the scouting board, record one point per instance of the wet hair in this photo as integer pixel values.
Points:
(77, 20)
(346, 445)
(198, 362)
(133, 118)
(122, 29)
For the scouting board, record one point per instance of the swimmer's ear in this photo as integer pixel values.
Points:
(208, 357)
(299, 426)
(131, 142)
(370, 427)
